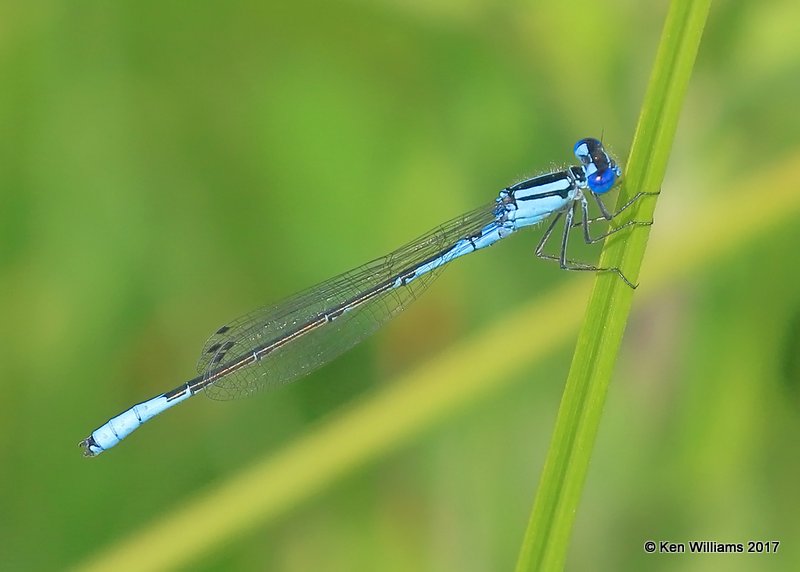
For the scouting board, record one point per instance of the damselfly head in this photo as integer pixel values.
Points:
(601, 170)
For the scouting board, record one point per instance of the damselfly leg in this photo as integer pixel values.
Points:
(607, 216)
(563, 261)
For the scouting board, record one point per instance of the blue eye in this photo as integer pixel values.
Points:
(585, 147)
(601, 181)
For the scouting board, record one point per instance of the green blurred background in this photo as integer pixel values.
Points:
(165, 167)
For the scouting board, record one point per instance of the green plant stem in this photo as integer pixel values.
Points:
(546, 539)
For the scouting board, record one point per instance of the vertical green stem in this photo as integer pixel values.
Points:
(546, 539)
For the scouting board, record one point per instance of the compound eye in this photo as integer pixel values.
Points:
(601, 181)
(583, 150)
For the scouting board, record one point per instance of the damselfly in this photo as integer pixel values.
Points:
(280, 343)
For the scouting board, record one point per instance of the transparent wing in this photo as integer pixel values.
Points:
(320, 345)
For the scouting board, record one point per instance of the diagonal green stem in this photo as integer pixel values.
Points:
(546, 540)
